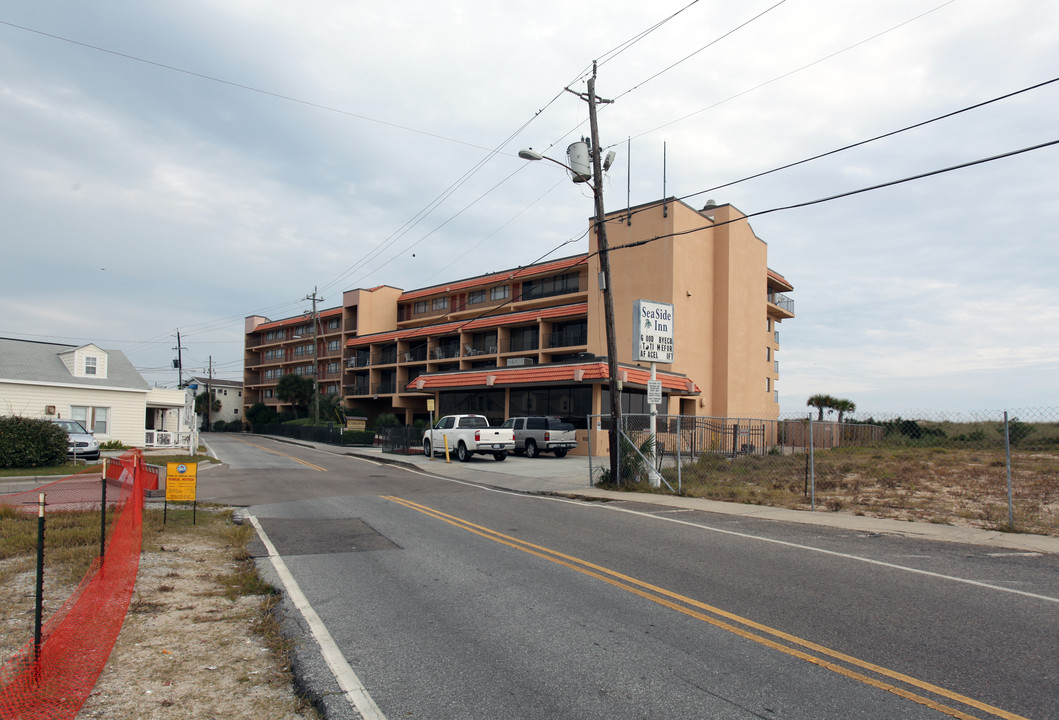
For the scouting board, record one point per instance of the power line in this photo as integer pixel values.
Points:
(846, 194)
(788, 74)
(241, 86)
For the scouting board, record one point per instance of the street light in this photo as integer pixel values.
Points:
(593, 178)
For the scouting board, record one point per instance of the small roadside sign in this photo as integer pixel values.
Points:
(654, 392)
(180, 482)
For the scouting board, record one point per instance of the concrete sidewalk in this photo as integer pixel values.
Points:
(569, 477)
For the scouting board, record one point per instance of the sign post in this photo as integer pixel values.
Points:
(181, 481)
(652, 340)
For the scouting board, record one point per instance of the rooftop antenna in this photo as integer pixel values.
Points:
(665, 206)
(628, 181)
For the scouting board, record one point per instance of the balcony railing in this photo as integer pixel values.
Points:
(782, 301)
(567, 338)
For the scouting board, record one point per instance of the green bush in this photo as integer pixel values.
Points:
(387, 420)
(220, 426)
(260, 414)
(27, 443)
(358, 437)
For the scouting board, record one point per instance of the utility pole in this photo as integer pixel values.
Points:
(608, 288)
(316, 360)
(209, 396)
(179, 362)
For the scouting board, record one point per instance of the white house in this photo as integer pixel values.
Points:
(98, 387)
(229, 393)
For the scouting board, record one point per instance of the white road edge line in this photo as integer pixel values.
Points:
(351, 685)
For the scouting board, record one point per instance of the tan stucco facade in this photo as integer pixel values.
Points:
(483, 343)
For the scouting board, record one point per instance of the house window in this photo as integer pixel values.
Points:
(95, 419)
(235, 411)
(441, 303)
(476, 297)
(420, 307)
(90, 366)
(499, 293)
(269, 393)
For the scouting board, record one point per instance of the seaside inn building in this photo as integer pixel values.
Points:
(532, 341)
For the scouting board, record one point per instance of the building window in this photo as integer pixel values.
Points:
(768, 384)
(235, 411)
(333, 345)
(270, 393)
(441, 303)
(332, 367)
(333, 324)
(303, 350)
(499, 293)
(95, 419)
(90, 366)
(768, 354)
(420, 307)
(476, 297)
(548, 287)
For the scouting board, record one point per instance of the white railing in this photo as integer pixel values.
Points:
(166, 438)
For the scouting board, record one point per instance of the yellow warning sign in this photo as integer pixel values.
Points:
(180, 481)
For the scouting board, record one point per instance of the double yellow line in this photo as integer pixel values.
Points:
(792, 645)
(306, 463)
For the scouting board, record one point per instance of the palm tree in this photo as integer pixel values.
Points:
(821, 403)
(844, 406)
(295, 389)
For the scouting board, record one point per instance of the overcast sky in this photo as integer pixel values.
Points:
(183, 165)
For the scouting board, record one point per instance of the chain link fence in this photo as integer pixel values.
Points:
(988, 469)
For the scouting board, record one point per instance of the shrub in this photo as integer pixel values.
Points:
(387, 420)
(260, 414)
(220, 426)
(358, 437)
(27, 443)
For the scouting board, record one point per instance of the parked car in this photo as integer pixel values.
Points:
(534, 435)
(80, 443)
(466, 435)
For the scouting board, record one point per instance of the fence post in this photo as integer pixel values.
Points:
(591, 472)
(1007, 452)
(812, 467)
(680, 473)
(103, 514)
(38, 613)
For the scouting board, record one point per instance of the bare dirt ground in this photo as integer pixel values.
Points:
(186, 651)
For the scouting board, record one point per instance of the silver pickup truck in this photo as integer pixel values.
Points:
(534, 435)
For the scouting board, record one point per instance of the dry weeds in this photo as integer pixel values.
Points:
(194, 643)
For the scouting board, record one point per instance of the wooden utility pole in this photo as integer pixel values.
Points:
(316, 360)
(608, 289)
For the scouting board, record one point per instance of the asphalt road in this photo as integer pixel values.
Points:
(450, 599)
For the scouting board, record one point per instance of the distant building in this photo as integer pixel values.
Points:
(229, 393)
(100, 388)
(531, 340)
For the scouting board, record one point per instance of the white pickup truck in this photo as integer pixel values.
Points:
(466, 435)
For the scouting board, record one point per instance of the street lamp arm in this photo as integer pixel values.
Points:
(531, 154)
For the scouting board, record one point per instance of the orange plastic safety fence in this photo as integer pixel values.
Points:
(53, 681)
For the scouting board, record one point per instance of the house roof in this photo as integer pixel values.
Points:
(39, 363)
(495, 278)
(218, 382)
(489, 321)
(558, 373)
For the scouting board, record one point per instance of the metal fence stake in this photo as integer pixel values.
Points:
(38, 613)
(1007, 452)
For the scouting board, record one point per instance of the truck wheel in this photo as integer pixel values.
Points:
(500, 456)
(462, 453)
(426, 448)
(531, 449)
(560, 453)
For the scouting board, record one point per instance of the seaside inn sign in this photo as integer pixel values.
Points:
(652, 337)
